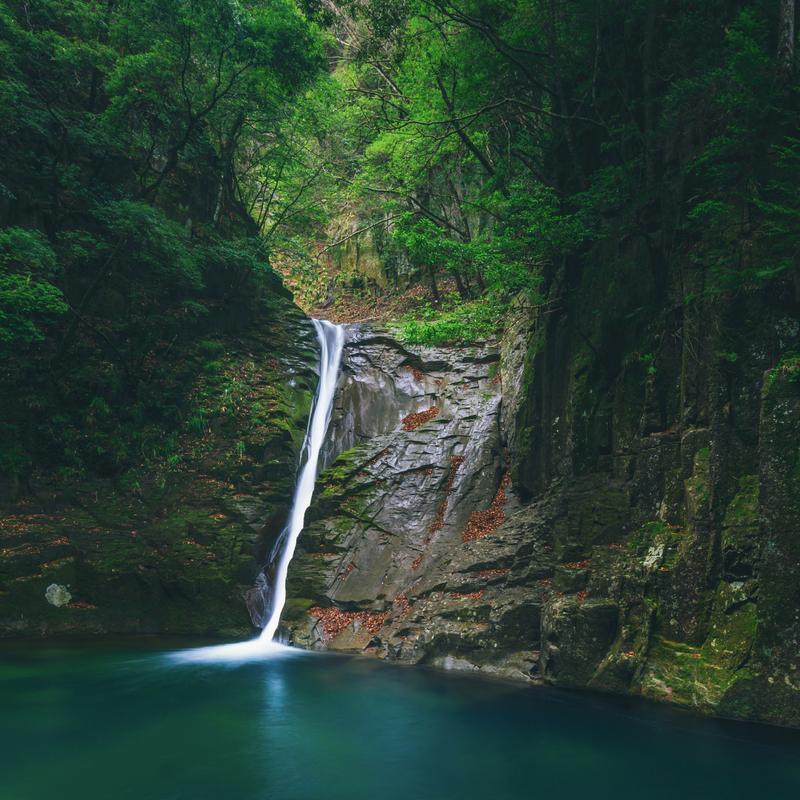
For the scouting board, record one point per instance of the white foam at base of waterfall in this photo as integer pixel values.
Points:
(233, 654)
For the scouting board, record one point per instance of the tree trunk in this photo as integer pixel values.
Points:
(648, 56)
(786, 39)
(463, 291)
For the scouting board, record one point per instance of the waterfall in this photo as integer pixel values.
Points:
(331, 341)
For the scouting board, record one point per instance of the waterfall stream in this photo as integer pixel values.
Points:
(331, 342)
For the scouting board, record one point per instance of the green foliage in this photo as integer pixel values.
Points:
(729, 357)
(500, 139)
(210, 347)
(134, 139)
(157, 247)
(746, 214)
(648, 361)
(788, 367)
(426, 243)
(532, 231)
(27, 297)
(453, 323)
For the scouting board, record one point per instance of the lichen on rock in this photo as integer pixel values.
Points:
(57, 595)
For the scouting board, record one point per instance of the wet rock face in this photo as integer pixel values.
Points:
(399, 525)
(646, 541)
(381, 383)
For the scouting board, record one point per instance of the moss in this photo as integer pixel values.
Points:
(659, 546)
(595, 515)
(700, 677)
(698, 486)
(313, 570)
(651, 531)
(740, 530)
(296, 608)
(787, 368)
(679, 673)
(743, 509)
(345, 467)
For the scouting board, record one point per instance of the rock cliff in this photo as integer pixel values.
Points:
(391, 514)
(606, 499)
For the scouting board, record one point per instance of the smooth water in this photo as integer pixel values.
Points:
(331, 342)
(111, 724)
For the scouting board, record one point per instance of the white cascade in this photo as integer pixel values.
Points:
(331, 341)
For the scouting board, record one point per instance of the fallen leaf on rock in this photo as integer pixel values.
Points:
(414, 421)
(482, 523)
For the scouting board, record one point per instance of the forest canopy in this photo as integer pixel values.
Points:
(158, 157)
(488, 142)
(136, 137)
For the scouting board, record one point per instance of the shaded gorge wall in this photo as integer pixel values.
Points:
(606, 498)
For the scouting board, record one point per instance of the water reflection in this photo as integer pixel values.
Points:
(182, 725)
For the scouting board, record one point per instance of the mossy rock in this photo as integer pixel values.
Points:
(699, 677)
(740, 531)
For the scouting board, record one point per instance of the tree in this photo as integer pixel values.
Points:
(133, 135)
(786, 38)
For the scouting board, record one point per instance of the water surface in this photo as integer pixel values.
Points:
(89, 723)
